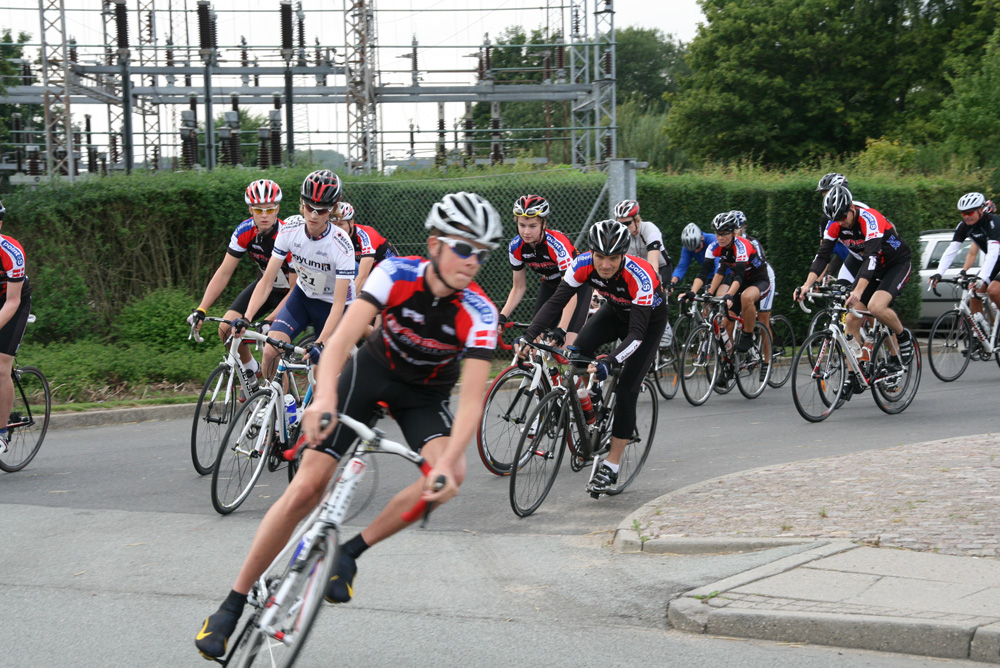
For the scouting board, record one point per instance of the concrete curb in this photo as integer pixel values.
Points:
(120, 416)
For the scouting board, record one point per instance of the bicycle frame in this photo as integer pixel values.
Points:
(231, 359)
(963, 308)
(836, 328)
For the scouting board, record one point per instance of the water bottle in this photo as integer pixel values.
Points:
(855, 347)
(981, 323)
(291, 409)
(587, 404)
(726, 340)
(251, 378)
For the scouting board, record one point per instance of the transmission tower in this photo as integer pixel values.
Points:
(56, 82)
(145, 107)
(361, 64)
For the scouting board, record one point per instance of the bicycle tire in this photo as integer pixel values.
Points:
(540, 451)
(666, 370)
(638, 447)
(891, 396)
(699, 365)
(782, 350)
(817, 386)
(505, 409)
(29, 418)
(243, 455)
(750, 364)
(949, 334)
(295, 613)
(820, 321)
(212, 415)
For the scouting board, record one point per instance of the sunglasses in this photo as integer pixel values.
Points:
(970, 212)
(465, 250)
(259, 210)
(530, 213)
(317, 209)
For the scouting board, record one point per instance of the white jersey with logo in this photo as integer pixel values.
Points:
(318, 261)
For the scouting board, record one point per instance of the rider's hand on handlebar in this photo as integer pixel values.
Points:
(239, 326)
(435, 495)
(558, 337)
(933, 280)
(196, 319)
(852, 299)
(685, 297)
(319, 419)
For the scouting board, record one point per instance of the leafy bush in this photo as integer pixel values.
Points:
(157, 320)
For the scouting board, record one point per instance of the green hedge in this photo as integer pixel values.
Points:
(99, 245)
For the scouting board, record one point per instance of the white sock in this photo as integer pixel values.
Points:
(250, 366)
(613, 467)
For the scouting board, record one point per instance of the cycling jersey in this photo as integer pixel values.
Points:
(318, 261)
(873, 237)
(699, 257)
(740, 257)
(247, 238)
(423, 337)
(12, 258)
(986, 234)
(646, 239)
(548, 258)
(756, 244)
(634, 294)
(369, 243)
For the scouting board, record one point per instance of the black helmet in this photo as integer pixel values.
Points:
(727, 221)
(609, 237)
(830, 180)
(837, 203)
(321, 188)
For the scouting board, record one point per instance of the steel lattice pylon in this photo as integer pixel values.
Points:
(605, 114)
(579, 73)
(150, 113)
(55, 79)
(361, 64)
(114, 110)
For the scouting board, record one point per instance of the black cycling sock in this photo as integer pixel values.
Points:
(234, 603)
(355, 547)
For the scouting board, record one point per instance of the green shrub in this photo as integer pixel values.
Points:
(157, 320)
(62, 304)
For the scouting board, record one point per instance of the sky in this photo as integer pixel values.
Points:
(446, 31)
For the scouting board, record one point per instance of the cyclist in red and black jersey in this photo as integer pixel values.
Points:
(370, 247)
(749, 278)
(885, 265)
(635, 311)
(15, 306)
(438, 324)
(254, 237)
(548, 253)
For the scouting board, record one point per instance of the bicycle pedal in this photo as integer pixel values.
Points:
(595, 495)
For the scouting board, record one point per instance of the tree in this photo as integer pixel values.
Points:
(648, 64)
(788, 80)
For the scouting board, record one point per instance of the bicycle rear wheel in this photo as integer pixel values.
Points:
(752, 370)
(818, 376)
(699, 365)
(294, 596)
(637, 449)
(666, 370)
(212, 416)
(782, 350)
(894, 387)
(950, 345)
(505, 412)
(244, 453)
(539, 453)
(29, 418)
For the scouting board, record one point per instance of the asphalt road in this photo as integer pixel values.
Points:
(112, 554)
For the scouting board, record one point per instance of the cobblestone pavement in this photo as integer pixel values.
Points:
(941, 496)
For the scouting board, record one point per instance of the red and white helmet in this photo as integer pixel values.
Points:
(627, 208)
(264, 191)
(531, 206)
(345, 211)
(321, 188)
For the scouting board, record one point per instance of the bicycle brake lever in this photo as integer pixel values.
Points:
(439, 483)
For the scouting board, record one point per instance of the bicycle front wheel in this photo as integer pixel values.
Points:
(752, 369)
(212, 416)
(821, 321)
(539, 453)
(637, 449)
(950, 345)
(894, 385)
(506, 407)
(293, 601)
(818, 376)
(699, 365)
(666, 370)
(29, 418)
(243, 453)
(782, 350)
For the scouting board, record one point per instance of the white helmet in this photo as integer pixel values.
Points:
(262, 191)
(830, 180)
(466, 215)
(971, 201)
(345, 211)
(691, 237)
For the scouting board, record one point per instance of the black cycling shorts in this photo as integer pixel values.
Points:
(889, 279)
(13, 331)
(583, 295)
(421, 411)
(765, 289)
(242, 301)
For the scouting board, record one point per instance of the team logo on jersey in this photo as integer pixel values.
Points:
(485, 338)
(640, 275)
(13, 251)
(413, 315)
(481, 305)
(345, 243)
